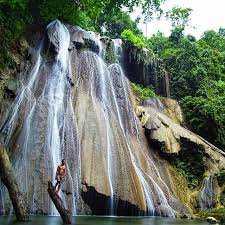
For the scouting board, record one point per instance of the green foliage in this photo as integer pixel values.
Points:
(115, 24)
(217, 213)
(150, 6)
(143, 92)
(184, 170)
(137, 40)
(16, 15)
(13, 18)
(206, 111)
(64, 10)
(190, 162)
(221, 179)
(177, 34)
(179, 16)
(222, 198)
(197, 76)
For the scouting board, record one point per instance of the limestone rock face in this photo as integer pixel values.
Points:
(84, 39)
(143, 67)
(10, 76)
(92, 124)
(78, 106)
(163, 118)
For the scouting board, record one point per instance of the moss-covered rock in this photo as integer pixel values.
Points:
(219, 214)
(142, 67)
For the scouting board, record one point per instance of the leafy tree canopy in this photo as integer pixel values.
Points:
(197, 77)
(104, 16)
(179, 16)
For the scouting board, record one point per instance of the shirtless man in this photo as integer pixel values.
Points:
(60, 175)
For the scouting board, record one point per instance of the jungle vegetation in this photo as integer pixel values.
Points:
(196, 67)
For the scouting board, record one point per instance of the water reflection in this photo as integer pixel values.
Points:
(95, 220)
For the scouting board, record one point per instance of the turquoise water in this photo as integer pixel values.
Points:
(95, 220)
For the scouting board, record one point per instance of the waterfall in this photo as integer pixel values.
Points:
(76, 106)
(148, 192)
(45, 104)
(207, 194)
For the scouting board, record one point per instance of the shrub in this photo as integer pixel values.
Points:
(137, 40)
(144, 92)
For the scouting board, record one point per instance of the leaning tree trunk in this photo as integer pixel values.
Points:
(9, 180)
(65, 214)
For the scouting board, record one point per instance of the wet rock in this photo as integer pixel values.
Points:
(105, 116)
(142, 67)
(162, 119)
(84, 39)
(54, 38)
(155, 103)
(24, 48)
(166, 106)
(173, 110)
(12, 86)
(105, 39)
(211, 220)
(209, 193)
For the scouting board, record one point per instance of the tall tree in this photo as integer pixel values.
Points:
(179, 16)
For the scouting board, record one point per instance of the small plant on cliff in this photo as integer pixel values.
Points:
(222, 198)
(221, 177)
(190, 162)
(144, 92)
(137, 40)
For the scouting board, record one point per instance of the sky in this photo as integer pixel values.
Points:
(206, 15)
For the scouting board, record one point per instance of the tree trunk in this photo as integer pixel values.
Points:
(9, 180)
(65, 214)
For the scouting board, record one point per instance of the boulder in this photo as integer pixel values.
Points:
(211, 220)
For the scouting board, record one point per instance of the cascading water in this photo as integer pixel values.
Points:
(49, 123)
(207, 194)
(77, 107)
(148, 193)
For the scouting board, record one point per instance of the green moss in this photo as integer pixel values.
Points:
(137, 40)
(139, 49)
(144, 92)
(217, 213)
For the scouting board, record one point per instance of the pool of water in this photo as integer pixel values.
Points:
(97, 220)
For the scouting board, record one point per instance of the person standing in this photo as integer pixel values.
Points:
(60, 175)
